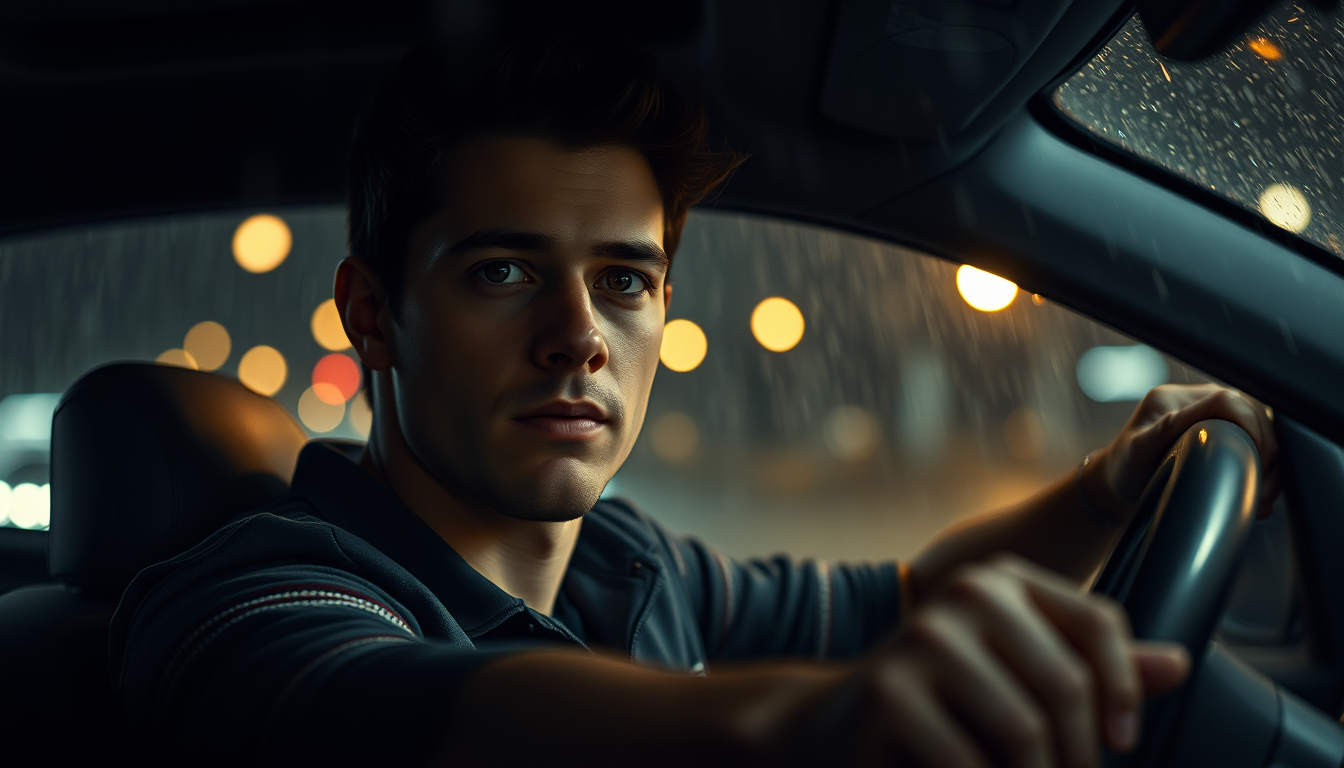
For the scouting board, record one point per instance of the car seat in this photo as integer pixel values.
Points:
(146, 461)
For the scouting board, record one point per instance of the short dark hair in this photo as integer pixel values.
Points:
(574, 91)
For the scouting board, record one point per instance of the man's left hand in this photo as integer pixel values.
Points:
(1117, 475)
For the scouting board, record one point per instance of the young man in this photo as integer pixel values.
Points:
(460, 595)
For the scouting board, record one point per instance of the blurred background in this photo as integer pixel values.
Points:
(820, 393)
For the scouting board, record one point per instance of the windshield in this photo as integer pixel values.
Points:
(821, 393)
(1260, 123)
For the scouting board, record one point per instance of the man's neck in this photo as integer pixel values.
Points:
(525, 558)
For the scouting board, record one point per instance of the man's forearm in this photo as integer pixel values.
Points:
(600, 710)
(1051, 528)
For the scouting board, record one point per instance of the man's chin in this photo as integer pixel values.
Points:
(561, 490)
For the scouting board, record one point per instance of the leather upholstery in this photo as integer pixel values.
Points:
(147, 460)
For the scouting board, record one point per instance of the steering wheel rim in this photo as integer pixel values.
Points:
(1174, 565)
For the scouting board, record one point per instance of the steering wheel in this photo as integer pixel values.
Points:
(1175, 562)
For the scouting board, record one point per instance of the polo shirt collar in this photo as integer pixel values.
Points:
(347, 496)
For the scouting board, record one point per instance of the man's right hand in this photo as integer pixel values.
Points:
(1010, 665)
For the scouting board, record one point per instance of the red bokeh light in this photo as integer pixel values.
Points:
(339, 371)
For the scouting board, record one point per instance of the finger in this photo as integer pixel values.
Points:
(914, 723)
(1162, 666)
(1061, 680)
(981, 690)
(1240, 409)
(1099, 630)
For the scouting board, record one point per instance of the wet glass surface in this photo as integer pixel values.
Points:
(900, 409)
(1261, 123)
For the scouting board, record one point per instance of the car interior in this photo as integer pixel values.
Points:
(890, 142)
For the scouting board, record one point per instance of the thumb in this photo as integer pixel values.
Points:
(1161, 666)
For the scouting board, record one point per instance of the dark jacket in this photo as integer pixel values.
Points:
(334, 626)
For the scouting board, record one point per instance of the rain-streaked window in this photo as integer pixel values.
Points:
(819, 393)
(1260, 123)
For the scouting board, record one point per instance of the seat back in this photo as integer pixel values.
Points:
(146, 461)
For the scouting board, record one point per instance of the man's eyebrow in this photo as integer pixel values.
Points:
(635, 250)
(507, 239)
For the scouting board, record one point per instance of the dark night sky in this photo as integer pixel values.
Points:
(1267, 111)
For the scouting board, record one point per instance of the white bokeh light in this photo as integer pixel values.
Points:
(1113, 374)
(30, 505)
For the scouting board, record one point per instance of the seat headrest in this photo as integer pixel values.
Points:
(147, 460)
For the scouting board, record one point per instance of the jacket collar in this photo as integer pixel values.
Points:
(348, 497)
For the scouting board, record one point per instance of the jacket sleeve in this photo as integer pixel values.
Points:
(771, 607)
(243, 652)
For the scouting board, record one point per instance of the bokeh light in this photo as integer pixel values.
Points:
(208, 344)
(316, 413)
(361, 416)
(1121, 373)
(178, 357)
(675, 436)
(327, 328)
(261, 243)
(263, 370)
(4, 503)
(684, 346)
(1265, 48)
(851, 433)
(1023, 434)
(30, 506)
(340, 373)
(1285, 207)
(777, 324)
(983, 290)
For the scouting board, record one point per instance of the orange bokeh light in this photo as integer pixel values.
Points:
(341, 373)
(1266, 49)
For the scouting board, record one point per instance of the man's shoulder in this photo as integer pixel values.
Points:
(283, 536)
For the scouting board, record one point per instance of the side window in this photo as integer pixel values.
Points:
(821, 394)
(851, 401)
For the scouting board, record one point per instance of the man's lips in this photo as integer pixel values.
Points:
(565, 419)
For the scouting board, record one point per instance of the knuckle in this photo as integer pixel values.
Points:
(1069, 685)
(929, 630)
(975, 583)
(1100, 622)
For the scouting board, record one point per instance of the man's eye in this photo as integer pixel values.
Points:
(502, 273)
(624, 281)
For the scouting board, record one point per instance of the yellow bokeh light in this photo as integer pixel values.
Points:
(318, 415)
(985, 291)
(684, 346)
(263, 370)
(361, 416)
(327, 328)
(1285, 206)
(261, 243)
(675, 436)
(208, 344)
(777, 324)
(178, 357)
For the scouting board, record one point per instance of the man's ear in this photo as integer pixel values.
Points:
(667, 295)
(363, 306)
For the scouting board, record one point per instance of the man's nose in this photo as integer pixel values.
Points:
(569, 337)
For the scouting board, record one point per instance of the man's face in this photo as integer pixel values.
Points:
(528, 330)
